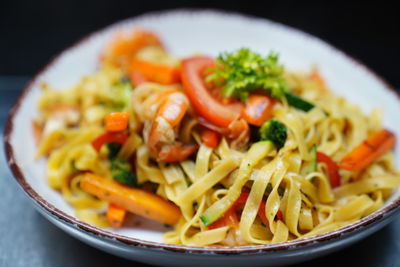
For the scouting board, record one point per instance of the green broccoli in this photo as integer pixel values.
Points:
(243, 71)
(113, 150)
(274, 131)
(122, 173)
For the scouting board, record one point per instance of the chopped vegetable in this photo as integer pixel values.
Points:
(230, 219)
(201, 99)
(332, 168)
(115, 215)
(210, 138)
(176, 152)
(314, 160)
(137, 78)
(159, 73)
(258, 109)
(121, 97)
(113, 150)
(116, 121)
(274, 131)
(121, 172)
(298, 102)
(368, 151)
(109, 137)
(244, 71)
(131, 199)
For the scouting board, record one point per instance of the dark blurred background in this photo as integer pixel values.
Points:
(31, 32)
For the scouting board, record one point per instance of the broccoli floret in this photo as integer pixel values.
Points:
(122, 173)
(274, 131)
(113, 149)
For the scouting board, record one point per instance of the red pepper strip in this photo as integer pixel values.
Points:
(109, 137)
(333, 170)
(201, 99)
(176, 152)
(137, 78)
(210, 138)
(230, 219)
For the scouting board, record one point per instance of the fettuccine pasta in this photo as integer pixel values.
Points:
(229, 154)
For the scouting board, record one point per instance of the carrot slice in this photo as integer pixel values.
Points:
(137, 78)
(131, 199)
(371, 149)
(210, 138)
(116, 121)
(115, 215)
(159, 73)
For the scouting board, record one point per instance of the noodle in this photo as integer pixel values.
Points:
(283, 196)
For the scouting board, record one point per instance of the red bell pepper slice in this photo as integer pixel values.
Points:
(332, 168)
(109, 137)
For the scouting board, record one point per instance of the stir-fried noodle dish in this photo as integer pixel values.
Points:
(228, 151)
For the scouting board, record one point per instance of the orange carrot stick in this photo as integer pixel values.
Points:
(131, 199)
(117, 121)
(160, 73)
(115, 215)
(371, 149)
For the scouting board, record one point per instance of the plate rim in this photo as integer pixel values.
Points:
(40, 202)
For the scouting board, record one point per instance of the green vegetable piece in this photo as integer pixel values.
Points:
(122, 173)
(121, 97)
(281, 191)
(314, 163)
(113, 150)
(274, 131)
(244, 71)
(298, 102)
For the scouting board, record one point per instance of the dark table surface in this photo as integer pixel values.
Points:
(28, 239)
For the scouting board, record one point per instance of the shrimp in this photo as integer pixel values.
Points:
(126, 45)
(162, 136)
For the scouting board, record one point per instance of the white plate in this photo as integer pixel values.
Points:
(184, 33)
